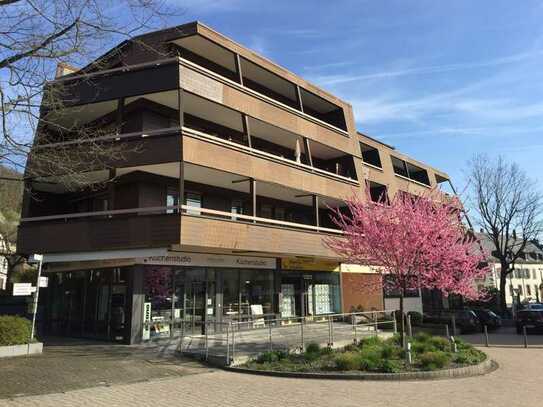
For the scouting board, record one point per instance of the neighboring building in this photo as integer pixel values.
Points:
(221, 213)
(525, 283)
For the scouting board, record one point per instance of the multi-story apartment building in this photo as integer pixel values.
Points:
(525, 283)
(220, 211)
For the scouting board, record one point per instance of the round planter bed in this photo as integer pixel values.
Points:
(482, 368)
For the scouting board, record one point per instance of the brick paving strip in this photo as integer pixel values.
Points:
(517, 382)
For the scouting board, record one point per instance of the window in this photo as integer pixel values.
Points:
(370, 155)
(236, 208)
(193, 200)
(411, 171)
(399, 167)
(517, 273)
(378, 192)
(172, 199)
(528, 290)
(534, 275)
(519, 288)
(511, 292)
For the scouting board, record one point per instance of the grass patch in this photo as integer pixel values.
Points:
(373, 354)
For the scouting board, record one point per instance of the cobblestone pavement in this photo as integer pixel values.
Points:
(516, 383)
(71, 364)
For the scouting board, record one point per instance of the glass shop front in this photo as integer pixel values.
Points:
(190, 300)
(309, 288)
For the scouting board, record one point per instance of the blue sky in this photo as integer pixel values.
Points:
(439, 80)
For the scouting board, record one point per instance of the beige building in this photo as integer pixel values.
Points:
(222, 212)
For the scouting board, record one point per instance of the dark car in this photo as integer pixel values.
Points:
(489, 318)
(465, 320)
(531, 319)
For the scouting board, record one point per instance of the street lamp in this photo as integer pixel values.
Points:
(35, 258)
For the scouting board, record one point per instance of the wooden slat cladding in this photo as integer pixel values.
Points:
(230, 235)
(99, 234)
(215, 156)
(205, 86)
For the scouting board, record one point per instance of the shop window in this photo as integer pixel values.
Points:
(158, 293)
(370, 155)
(256, 292)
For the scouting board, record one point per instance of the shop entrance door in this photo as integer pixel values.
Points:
(199, 301)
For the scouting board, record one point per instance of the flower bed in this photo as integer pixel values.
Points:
(373, 355)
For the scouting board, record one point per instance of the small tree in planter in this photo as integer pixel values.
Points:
(420, 241)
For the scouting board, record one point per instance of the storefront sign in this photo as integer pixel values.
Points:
(22, 289)
(146, 318)
(297, 263)
(209, 260)
(44, 281)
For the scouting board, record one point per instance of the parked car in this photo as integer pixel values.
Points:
(532, 319)
(488, 317)
(466, 321)
(532, 306)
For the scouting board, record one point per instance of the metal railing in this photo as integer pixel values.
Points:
(234, 342)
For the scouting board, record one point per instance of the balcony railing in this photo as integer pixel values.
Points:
(217, 140)
(186, 210)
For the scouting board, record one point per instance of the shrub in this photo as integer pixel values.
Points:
(422, 337)
(371, 341)
(348, 361)
(270, 357)
(370, 362)
(14, 330)
(469, 357)
(313, 348)
(416, 318)
(390, 366)
(433, 360)
(440, 343)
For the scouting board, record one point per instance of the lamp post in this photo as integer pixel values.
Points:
(35, 258)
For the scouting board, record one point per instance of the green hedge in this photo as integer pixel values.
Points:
(14, 330)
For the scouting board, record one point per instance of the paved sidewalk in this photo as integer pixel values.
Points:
(75, 364)
(516, 383)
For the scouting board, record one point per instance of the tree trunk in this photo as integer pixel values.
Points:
(503, 286)
(402, 321)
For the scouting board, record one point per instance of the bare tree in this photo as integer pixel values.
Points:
(509, 206)
(35, 37)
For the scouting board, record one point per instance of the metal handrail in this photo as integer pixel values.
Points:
(222, 214)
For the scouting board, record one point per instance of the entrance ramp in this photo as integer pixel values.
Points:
(235, 343)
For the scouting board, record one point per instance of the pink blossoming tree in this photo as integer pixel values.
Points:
(417, 241)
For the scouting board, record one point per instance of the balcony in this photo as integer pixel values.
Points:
(200, 51)
(141, 208)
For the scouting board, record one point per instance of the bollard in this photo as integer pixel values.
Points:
(525, 334)
(354, 327)
(329, 333)
(233, 344)
(453, 343)
(408, 353)
(409, 330)
(206, 344)
(270, 335)
(227, 345)
(302, 336)
(486, 335)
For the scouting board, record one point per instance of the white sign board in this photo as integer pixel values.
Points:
(209, 260)
(20, 289)
(146, 318)
(44, 281)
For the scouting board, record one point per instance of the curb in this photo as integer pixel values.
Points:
(482, 368)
